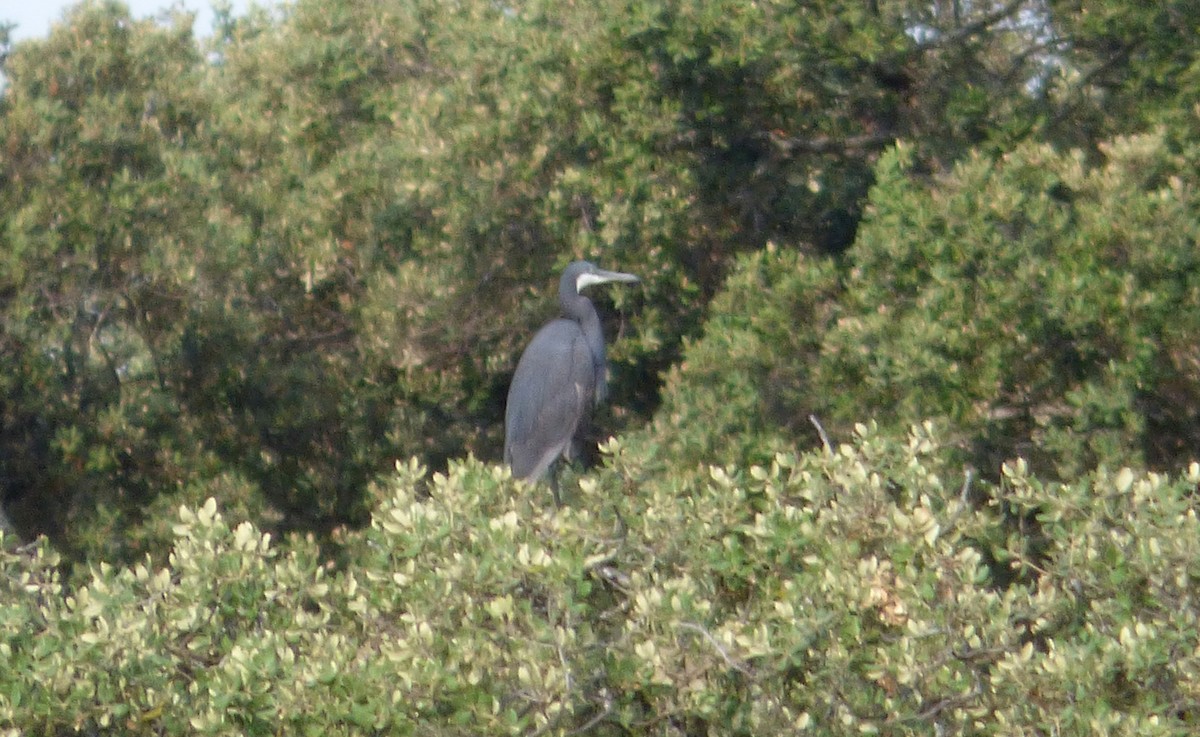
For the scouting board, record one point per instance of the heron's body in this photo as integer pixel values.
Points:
(561, 375)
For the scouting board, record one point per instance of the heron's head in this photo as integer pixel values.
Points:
(582, 274)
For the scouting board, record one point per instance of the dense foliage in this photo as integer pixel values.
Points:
(1035, 305)
(1046, 308)
(838, 593)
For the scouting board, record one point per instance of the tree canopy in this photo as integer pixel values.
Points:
(270, 262)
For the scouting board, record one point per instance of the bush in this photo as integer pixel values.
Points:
(1043, 307)
(830, 593)
(742, 391)
(1034, 305)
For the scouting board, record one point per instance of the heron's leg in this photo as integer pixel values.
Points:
(569, 453)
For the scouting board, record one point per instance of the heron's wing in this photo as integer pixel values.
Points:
(551, 390)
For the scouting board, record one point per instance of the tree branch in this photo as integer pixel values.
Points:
(976, 26)
(830, 145)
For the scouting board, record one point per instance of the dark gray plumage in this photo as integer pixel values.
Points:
(560, 376)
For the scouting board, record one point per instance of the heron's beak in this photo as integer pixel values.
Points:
(600, 276)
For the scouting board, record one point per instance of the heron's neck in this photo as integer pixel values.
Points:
(579, 308)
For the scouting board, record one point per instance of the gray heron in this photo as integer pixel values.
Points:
(561, 375)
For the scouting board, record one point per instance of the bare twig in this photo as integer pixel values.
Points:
(717, 646)
(830, 145)
(968, 477)
(587, 726)
(1080, 86)
(1045, 409)
(950, 702)
(821, 431)
(568, 682)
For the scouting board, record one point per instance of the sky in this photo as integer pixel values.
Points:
(33, 17)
